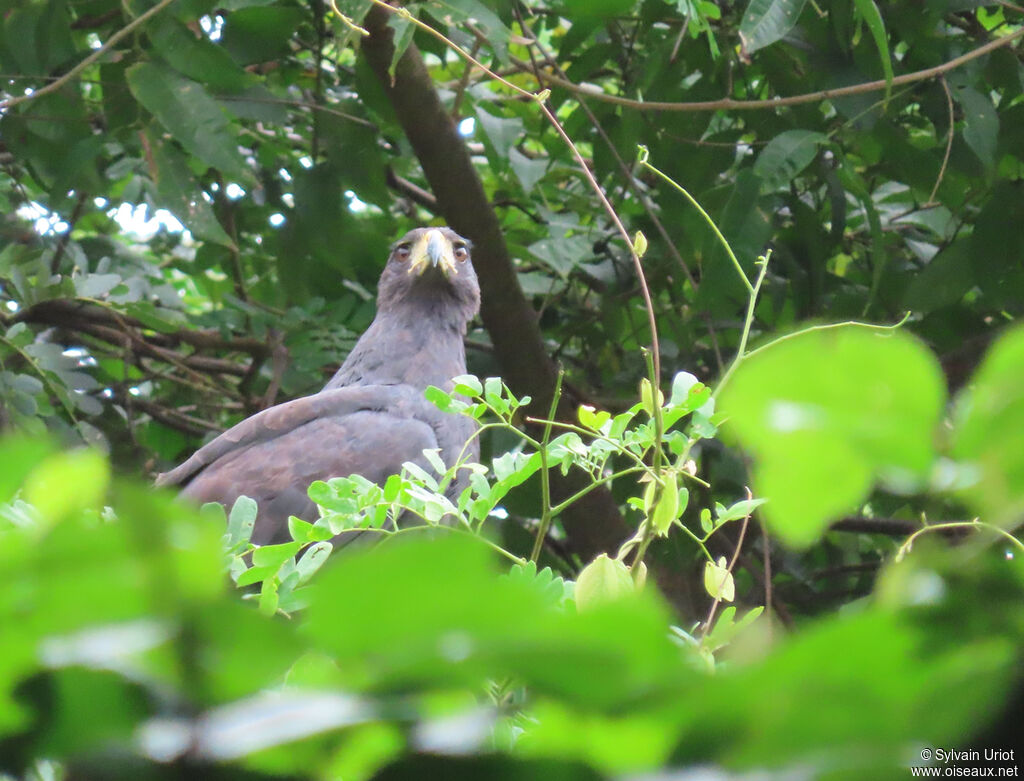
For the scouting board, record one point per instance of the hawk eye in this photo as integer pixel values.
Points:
(402, 252)
(461, 253)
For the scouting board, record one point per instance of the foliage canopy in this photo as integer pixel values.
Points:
(196, 199)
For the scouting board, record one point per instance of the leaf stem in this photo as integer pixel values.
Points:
(387, 533)
(594, 484)
(707, 217)
(580, 430)
(747, 322)
(545, 478)
(647, 531)
(830, 326)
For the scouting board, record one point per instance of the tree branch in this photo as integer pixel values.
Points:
(731, 104)
(410, 190)
(69, 313)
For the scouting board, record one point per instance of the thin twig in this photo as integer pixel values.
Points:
(831, 326)
(707, 218)
(766, 547)
(545, 490)
(460, 90)
(300, 104)
(638, 266)
(65, 238)
(949, 143)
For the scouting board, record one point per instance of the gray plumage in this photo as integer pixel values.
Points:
(371, 417)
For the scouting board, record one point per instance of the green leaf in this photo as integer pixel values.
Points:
(603, 580)
(825, 413)
(274, 555)
(767, 21)
(718, 580)
(560, 253)
(313, 559)
(468, 385)
(254, 35)
(869, 13)
(20, 40)
(927, 669)
(988, 428)
(420, 475)
(981, 124)
(96, 285)
(786, 156)
(492, 389)
(495, 33)
(944, 281)
(738, 510)
(392, 487)
(592, 419)
(726, 628)
(67, 483)
(438, 397)
(599, 9)
(182, 193)
(647, 397)
(241, 520)
(256, 575)
(640, 244)
(528, 170)
(668, 509)
(705, 520)
(255, 103)
(682, 383)
(746, 218)
(197, 57)
(433, 456)
(404, 30)
(300, 530)
(190, 114)
(437, 613)
(501, 134)
(19, 456)
(688, 395)
(269, 597)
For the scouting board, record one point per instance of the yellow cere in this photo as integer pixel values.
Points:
(433, 248)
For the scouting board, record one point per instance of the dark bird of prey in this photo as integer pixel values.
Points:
(371, 417)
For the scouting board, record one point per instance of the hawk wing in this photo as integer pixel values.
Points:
(273, 456)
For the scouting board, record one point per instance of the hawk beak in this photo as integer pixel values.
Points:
(435, 250)
(437, 247)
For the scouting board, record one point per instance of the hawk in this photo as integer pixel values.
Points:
(371, 416)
